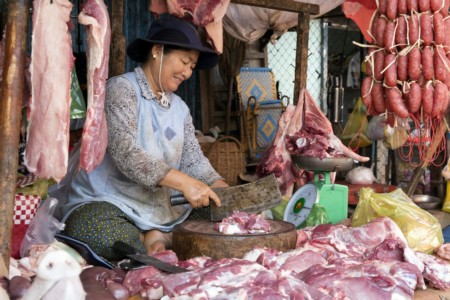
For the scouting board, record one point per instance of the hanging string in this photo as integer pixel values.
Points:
(165, 100)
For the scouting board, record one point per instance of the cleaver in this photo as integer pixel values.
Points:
(253, 197)
(145, 259)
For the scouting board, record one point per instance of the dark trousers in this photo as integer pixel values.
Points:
(100, 224)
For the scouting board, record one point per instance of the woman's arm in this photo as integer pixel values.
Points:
(195, 174)
(196, 192)
(136, 163)
(193, 161)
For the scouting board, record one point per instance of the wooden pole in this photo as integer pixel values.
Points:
(229, 102)
(10, 112)
(305, 10)
(301, 60)
(284, 5)
(118, 42)
(205, 99)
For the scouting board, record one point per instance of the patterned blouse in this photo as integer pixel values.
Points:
(121, 107)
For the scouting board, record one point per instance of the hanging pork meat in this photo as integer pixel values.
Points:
(94, 15)
(46, 152)
(302, 130)
(203, 13)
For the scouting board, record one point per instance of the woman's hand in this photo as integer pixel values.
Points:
(197, 193)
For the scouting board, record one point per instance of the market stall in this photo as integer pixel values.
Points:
(295, 232)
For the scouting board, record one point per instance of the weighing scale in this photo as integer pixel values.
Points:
(300, 204)
(333, 197)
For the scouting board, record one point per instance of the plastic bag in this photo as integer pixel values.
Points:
(278, 211)
(422, 231)
(78, 105)
(375, 129)
(43, 227)
(60, 190)
(360, 175)
(354, 133)
(39, 187)
(394, 137)
(446, 204)
(317, 216)
(446, 174)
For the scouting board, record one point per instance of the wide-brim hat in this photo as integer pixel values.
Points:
(174, 32)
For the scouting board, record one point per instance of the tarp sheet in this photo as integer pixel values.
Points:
(249, 23)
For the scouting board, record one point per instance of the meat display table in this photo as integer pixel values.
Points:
(432, 294)
(429, 294)
(353, 190)
(442, 216)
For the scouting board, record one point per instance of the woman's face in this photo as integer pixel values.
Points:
(177, 66)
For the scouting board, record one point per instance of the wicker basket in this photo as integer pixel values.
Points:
(205, 148)
(228, 158)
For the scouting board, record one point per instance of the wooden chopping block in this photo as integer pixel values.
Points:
(432, 294)
(198, 238)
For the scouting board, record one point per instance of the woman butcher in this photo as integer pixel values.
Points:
(152, 150)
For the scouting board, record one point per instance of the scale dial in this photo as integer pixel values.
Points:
(300, 204)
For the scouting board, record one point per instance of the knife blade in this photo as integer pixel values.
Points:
(253, 197)
(132, 253)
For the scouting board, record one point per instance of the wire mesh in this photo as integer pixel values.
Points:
(281, 58)
(330, 49)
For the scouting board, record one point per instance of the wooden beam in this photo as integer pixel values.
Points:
(285, 5)
(206, 107)
(229, 102)
(118, 44)
(10, 108)
(301, 60)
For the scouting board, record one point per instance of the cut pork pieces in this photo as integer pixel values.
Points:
(443, 251)
(368, 280)
(330, 262)
(302, 130)
(243, 223)
(232, 278)
(277, 159)
(437, 270)
(313, 134)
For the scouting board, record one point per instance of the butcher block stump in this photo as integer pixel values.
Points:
(198, 238)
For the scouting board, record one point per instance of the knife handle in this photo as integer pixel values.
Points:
(124, 248)
(178, 199)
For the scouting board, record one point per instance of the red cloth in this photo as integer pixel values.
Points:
(25, 207)
(361, 12)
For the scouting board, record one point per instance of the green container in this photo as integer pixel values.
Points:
(333, 197)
